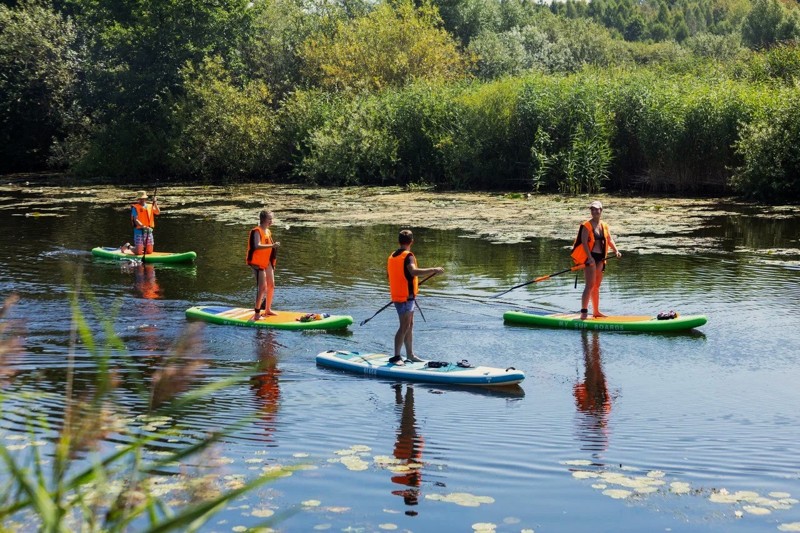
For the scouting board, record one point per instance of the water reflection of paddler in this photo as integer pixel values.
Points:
(591, 395)
(408, 448)
(145, 283)
(266, 380)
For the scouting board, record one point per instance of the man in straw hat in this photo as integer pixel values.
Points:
(143, 219)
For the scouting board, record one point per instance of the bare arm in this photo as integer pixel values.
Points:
(613, 246)
(415, 271)
(255, 243)
(585, 244)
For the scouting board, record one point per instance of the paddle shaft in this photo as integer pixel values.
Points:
(390, 303)
(543, 278)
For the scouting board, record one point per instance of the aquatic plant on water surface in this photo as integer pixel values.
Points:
(71, 478)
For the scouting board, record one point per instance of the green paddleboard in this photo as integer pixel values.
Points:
(609, 323)
(239, 316)
(156, 257)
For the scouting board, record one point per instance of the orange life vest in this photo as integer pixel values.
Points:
(145, 215)
(578, 253)
(260, 257)
(402, 285)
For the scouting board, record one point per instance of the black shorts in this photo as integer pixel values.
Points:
(598, 258)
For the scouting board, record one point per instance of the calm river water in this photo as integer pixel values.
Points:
(609, 432)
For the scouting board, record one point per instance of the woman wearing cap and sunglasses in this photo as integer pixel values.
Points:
(591, 249)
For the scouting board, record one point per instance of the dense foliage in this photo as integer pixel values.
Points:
(571, 96)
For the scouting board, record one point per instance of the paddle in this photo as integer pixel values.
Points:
(543, 278)
(148, 233)
(390, 303)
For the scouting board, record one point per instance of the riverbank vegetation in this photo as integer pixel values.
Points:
(691, 96)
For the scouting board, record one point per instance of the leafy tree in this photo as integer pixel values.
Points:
(681, 31)
(224, 131)
(466, 19)
(138, 51)
(634, 29)
(768, 23)
(40, 69)
(390, 47)
(659, 32)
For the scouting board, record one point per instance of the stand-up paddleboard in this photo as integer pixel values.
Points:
(378, 365)
(608, 323)
(154, 257)
(239, 316)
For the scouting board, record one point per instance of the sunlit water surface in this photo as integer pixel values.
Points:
(609, 432)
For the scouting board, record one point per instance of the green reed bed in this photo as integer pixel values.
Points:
(644, 129)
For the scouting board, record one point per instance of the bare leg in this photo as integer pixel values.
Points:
(270, 290)
(588, 288)
(596, 293)
(261, 291)
(406, 323)
(409, 340)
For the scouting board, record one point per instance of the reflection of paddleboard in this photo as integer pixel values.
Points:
(154, 257)
(239, 316)
(377, 364)
(610, 323)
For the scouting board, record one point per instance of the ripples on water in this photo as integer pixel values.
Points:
(715, 409)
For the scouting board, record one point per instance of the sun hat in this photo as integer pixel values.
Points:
(141, 195)
(596, 204)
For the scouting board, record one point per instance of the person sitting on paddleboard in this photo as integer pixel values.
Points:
(143, 219)
(403, 286)
(591, 249)
(261, 257)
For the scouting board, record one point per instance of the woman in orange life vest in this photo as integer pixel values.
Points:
(261, 257)
(403, 273)
(591, 248)
(143, 219)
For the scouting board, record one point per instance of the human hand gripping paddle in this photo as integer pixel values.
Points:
(390, 303)
(543, 278)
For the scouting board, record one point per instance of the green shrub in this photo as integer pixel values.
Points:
(222, 131)
(768, 146)
(569, 128)
(677, 133)
(353, 146)
(427, 122)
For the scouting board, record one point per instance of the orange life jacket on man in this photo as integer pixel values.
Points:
(145, 215)
(402, 285)
(260, 257)
(578, 253)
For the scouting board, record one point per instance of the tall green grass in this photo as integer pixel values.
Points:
(84, 485)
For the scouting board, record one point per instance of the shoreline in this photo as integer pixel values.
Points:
(640, 224)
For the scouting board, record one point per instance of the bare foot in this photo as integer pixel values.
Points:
(270, 313)
(599, 315)
(584, 316)
(255, 317)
